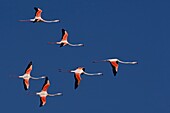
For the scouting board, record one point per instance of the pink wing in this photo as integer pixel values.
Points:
(77, 80)
(29, 68)
(38, 12)
(46, 84)
(64, 34)
(42, 101)
(26, 83)
(114, 67)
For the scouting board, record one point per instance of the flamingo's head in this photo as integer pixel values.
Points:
(44, 76)
(134, 62)
(81, 44)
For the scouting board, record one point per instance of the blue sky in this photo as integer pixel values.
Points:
(128, 30)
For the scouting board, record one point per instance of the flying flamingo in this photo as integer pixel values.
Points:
(64, 41)
(26, 77)
(114, 64)
(77, 73)
(43, 94)
(38, 18)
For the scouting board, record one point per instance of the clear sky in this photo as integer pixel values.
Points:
(133, 30)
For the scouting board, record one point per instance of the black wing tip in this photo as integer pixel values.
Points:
(62, 44)
(40, 105)
(76, 86)
(114, 71)
(115, 74)
(25, 89)
(83, 68)
(63, 31)
(36, 8)
(46, 78)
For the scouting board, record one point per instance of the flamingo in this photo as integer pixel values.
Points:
(43, 94)
(64, 41)
(114, 64)
(38, 18)
(77, 72)
(26, 77)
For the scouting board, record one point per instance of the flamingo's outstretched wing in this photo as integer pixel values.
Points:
(64, 35)
(29, 68)
(77, 80)
(38, 12)
(115, 66)
(26, 84)
(46, 84)
(42, 101)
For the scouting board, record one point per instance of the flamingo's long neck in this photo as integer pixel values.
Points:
(92, 73)
(38, 77)
(57, 94)
(127, 62)
(75, 44)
